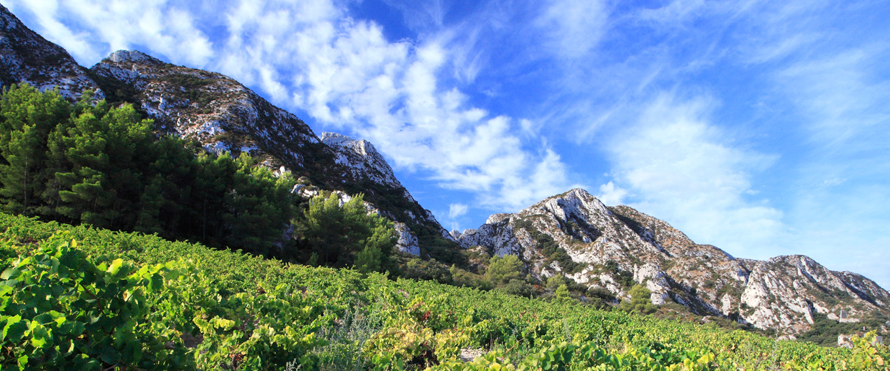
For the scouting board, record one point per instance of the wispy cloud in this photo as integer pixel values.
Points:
(681, 168)
(611, 194)
(311, 56)
(169, 31)
(573, 27)
(457, 210)
(751, 125)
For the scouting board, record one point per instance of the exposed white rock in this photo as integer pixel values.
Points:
(656, 282)
(407, 241)
(26, 57)
(780, 293)
(360, 157)
(845, 341)
(726, 308)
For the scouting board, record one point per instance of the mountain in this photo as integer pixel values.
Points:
(604, 247)
(223, 115)
(25, 56)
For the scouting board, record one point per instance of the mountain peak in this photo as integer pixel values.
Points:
(600, 245)
(26, 57)
(361, 158)
(132, 56)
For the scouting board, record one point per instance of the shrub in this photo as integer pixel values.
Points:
(639, 301)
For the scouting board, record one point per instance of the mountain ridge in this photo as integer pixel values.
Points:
(590, 243)
(781, 293)
(222, 115)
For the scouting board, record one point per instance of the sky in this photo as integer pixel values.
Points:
(760, 127)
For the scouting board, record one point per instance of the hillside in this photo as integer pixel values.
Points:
(576, 235)
(223, 115)
(225, 310)
(602, 251)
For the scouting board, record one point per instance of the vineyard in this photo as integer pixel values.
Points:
(92, 299)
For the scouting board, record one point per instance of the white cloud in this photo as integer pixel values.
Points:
(573, 27)
(310, 55)
(168, 31)
(844, 97)
(611, 194)
(682, 170)
(456, 210)
(675, 12)
(421, 14)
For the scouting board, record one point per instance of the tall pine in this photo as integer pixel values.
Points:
(26, 118)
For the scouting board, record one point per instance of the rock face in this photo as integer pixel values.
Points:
(223, 115)
(362, 160)
(572, 234)
(25, 56)
(785, 291)
(608, 245)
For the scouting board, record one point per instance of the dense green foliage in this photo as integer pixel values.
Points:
(347, 235)
(103, 165)
(825, 331)
(639, 301)
(227, 310)
(63, 309)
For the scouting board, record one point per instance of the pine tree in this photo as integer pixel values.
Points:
(562, 294)
(502, 270)
(99, 166)
(26, 119)
(346, 235)
(640, 301)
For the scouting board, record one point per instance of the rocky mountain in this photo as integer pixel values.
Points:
(223, 115)
(573, 234)
(576, 235)
(25, 56)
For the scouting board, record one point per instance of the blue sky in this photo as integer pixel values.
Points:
(761, 127)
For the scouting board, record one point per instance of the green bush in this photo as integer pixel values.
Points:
(640, 301)
(518, 288)
(348, 235)
(427, 270)
(502, 270)
(64, 310)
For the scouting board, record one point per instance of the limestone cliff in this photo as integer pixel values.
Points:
(223, 115)
(27, 57)
(608, 245)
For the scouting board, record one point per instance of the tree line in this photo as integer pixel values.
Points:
(94, 163)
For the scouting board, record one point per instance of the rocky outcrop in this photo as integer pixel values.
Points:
(785, 291)
(608, 245)
(223, 115)
(586, 230)
(26, 57)
(363, 163)
(361, 159)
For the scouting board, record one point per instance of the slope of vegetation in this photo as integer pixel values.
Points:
(97, 164)
(86, 298)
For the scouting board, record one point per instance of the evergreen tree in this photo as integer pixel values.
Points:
(346, 235)
(562, 294)
(502, 270)
(26, 118)
(99, 149)
(640, 301)
(258, 207)
(97, 164)
(555, 281)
